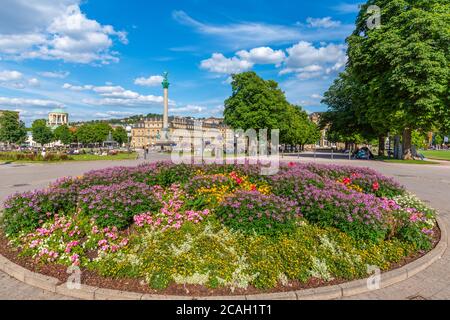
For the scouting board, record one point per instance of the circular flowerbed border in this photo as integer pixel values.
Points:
(209, 230)
(323, 293)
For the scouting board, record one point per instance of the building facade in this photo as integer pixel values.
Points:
(57, 117)
(148, 131)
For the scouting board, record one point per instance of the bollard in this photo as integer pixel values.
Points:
(332, 154)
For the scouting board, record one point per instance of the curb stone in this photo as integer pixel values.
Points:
(324, 293)
(85, 292)
(108, 294)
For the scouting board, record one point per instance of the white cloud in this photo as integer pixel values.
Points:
(55, 75)
(9, 75)
(151, 81)
(305, 54)
(22, 102)
(317, 96)
(262, 55)
(309, 62)
(56, 31)
(16, 80)
(188, 109)
(247, 33)
(218, 63)
(110, 95)
(139, 101)
(77, 88)
(112, 114)
(34, 82)
(244, 35)
(326, 22)
(346, 8)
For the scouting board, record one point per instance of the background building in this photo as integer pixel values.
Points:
(148, 131)
(57, 117)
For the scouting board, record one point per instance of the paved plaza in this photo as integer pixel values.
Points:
(430, 182)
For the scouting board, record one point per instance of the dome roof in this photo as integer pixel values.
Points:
(58, 110)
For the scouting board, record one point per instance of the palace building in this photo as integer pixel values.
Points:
(148, 131)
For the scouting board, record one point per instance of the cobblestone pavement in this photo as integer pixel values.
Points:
(430, 182)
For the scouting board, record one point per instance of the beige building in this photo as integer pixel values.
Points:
(148, 131)
(57, 117)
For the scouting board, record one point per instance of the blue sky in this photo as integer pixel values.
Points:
(103, 59)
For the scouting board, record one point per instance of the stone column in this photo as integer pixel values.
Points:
(166, 109)
(165, 84)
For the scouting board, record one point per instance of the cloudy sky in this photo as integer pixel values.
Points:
(103, 59)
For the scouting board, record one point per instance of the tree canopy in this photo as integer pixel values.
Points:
(257, 104)
(41, 132)
(398, 75)
(63, 134)
(12, 130)
(93, 132)
(120, 135)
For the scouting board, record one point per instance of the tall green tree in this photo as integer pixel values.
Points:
(255, 103)
(63, 134)
(403, 66)
(120, 135)
(12, 130)
(346, 119)
(41, 132)
(93, 132)
(85, 134)
(298, 128)
(102, 130)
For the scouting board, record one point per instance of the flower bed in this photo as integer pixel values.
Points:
(222, 226)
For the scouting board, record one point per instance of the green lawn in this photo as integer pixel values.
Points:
(437, 154)
(409, 161)
(80, 157)
(91, 157)
(388, 160)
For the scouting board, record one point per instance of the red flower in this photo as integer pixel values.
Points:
(253, 187)
(376, 186)
(291, 164)
(347, 181)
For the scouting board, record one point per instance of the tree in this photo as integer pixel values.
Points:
(93, 132)
(101, 131)
(255, 103)
(63, 134)
(346, 119)
(12, 130)
(403, 66)
(85, 134)
(120, 135)
(298, 128)
(41, 132)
